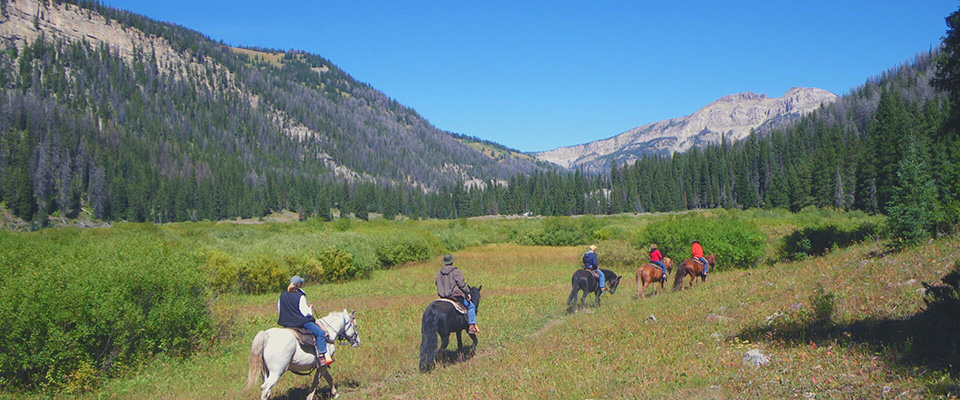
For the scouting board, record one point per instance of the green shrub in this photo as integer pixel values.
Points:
(558, 231)
(311, 270)
(619, 254)
(398, 249)
(335, 265)
(342, 224)
(78, 307)
(736, 243)
(264, 273)
(222, 271)
(824, 305)
(610, 232)
(364, 254)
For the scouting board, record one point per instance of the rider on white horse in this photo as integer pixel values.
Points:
(295, 312)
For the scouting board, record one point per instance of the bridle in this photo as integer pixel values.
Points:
(342, 337)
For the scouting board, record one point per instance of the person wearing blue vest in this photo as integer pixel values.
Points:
(590, 262)
(295, 312)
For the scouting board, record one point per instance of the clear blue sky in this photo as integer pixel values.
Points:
(536, 75)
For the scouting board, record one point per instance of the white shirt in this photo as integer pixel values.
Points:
(305, 310)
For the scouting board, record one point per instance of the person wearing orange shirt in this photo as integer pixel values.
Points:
(697, 252)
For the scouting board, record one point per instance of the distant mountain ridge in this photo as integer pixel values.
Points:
(732, 116)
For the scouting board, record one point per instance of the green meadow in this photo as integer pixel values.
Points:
(841, 320)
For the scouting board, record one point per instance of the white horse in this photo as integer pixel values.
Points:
(276, 350)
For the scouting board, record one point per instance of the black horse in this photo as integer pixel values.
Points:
(440, 319)
(584, 280)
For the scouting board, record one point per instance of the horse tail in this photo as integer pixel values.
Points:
(428, 343)
(639, 283)
(256, 358)
(678, 277)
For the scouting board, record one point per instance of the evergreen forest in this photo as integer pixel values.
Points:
(83, 129)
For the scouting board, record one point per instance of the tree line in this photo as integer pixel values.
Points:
(81, 128)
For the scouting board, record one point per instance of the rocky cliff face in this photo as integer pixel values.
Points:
(731, 116)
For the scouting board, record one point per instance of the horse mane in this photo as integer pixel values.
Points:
(475, 294)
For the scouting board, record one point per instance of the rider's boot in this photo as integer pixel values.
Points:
(323, 360)
(472, 329)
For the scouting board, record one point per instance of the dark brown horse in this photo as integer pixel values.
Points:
(693, 269)
(648, 273)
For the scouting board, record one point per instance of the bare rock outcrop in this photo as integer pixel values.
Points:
(732, 116)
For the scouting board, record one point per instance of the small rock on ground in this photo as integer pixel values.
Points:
(755, 358)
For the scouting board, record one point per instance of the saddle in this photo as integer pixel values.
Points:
(460, 307)
(596, 272)
(305, 338)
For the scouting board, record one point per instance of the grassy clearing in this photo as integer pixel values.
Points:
(531, 347)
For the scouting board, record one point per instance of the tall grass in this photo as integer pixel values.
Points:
(89, 305)
(687, 344)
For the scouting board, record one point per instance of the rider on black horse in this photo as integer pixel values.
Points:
(590, 263)
(295, 313)
(451, 285)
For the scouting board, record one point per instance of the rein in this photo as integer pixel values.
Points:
(341, 337)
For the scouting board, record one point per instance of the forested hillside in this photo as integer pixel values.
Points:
(168, 125)
(179, 127)
(861, 152)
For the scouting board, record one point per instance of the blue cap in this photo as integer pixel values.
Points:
(296, 280)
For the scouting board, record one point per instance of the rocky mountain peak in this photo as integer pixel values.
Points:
(732, 116)
(737, 97)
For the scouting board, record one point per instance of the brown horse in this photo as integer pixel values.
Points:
(693, 269)
(648, 273)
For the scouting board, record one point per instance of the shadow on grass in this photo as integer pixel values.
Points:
(928, 340)
(451, 357)
(323, 391)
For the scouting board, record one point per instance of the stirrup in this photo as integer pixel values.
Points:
(326, 360)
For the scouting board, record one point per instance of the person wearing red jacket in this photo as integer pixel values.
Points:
(697, 252)
(656, 257)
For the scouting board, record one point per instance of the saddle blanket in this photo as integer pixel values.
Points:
(459, 306)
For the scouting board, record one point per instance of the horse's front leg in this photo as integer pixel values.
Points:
(316, 382)
(329, 379)
(460, 356)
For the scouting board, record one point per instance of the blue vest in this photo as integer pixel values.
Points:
(290, 316)
(590, 259)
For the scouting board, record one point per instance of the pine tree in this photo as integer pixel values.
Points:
(913, 206)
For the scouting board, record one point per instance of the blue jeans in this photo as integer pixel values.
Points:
(706, 265)
(663, 268)
(603, 278)
(471, 311)
(320, 334)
